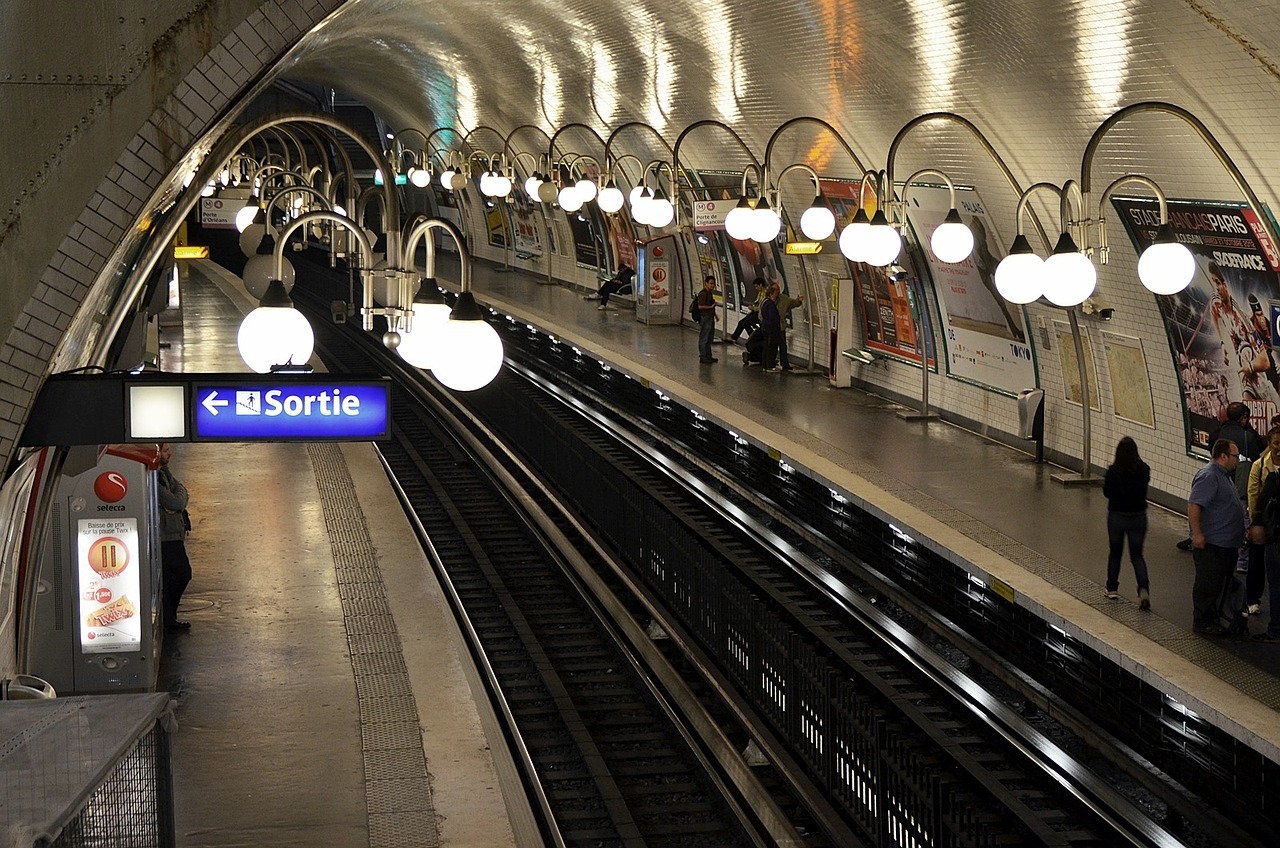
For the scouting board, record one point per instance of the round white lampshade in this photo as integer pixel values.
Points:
(547, 191)
(258, 271)
(641, 209)
(883, 245)
(421, 346)
(250, 238)
(502, 186)
(765, 225)
(738, 222)
(1069, 278)
(610, 198)
(458, 181)
(446, 178)
(1166, 268)
(420, 177)
(817, 223)
(474, 355)
(952, 241)
(274, 335)
(245, 217)
(851, 241)
(531, 186)
(486, 183)
(586, 189)
(637, 193)
(661, 212)
(1020, 277)
(569, 199)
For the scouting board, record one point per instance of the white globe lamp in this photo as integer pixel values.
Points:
(258, 273)
(531, 186)
(420, 177)
(275, 333)
(474, 350)
(251, 238)
(853, 238)
(569, 199)
(446, 178)
(1069, 276)
(883, 242)
(818, 221)
(660, 211)
(952, 241)
(765, 223)
(1020, 275)
(458, 181)
(1166, 266)
(246, 216)
(502, 186)
(610, 198)
(586, 188)
(420, 346)
(738, 222)
(547, 191)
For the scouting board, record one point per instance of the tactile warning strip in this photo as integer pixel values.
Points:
(397, 785)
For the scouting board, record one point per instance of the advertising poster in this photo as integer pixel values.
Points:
(495, 221)
(586, 238)
(109, 584)
(446, 205)
(1220, 327)
(525, 221)
(986, 336)
(749, 258)
(888, 325)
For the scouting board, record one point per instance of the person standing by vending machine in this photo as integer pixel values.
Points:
(174, 524)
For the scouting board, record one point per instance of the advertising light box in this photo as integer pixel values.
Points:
(110, 584)
(285, 412)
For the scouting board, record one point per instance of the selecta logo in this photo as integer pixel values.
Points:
(110, 486)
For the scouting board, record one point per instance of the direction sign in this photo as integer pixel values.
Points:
(252, 411)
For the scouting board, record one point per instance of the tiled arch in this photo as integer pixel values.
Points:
(220, 78)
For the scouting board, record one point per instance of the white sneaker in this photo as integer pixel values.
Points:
(1255, 609)
(1113, 596)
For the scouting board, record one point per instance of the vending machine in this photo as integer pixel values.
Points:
(659, 281)
(92, 621)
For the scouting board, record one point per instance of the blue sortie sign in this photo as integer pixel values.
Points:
(310, 410)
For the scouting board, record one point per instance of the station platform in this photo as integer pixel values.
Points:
(274, 739)
(324, 696)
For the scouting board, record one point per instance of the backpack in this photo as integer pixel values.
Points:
(1242, 478)
(694, 312)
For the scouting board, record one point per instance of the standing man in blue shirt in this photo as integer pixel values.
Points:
(1217, 532)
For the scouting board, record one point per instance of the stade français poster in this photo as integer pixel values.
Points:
(1222, 327)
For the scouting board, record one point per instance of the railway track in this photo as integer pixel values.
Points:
(869, 737)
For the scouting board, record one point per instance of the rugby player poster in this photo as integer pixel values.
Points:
(1220, 330)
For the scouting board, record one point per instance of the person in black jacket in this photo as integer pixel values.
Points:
(1125, 487)
(1263, 531)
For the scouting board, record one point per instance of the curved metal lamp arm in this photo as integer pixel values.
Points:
(366, 249)
(675, 148)
(608, 145)
(305, 189)
(616, 162)
(1025, 198)
(551, 142)
(1091, 149)
(1103, 248)
(807, 119)
(506, 142)
(416, 234)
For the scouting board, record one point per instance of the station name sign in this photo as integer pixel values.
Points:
(189, 407)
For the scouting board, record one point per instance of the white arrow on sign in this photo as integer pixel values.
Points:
(211, 402)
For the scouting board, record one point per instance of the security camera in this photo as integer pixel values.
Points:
(897, 273)
(1105, 313)
(1097, 308)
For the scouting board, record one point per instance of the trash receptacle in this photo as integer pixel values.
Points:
(1031, 418)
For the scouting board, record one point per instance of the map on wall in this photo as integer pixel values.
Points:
(1130, 384)
(1071, 371)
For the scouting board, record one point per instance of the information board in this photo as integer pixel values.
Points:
(256, 411)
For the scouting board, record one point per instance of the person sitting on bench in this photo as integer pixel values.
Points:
(622, 280)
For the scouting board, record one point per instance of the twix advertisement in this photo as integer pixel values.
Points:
(110, 584)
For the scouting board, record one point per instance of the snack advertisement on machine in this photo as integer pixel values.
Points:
(109, 584)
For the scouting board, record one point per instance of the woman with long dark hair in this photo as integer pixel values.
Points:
(1125, 487)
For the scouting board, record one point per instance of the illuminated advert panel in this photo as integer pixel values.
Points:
(109, 584)
(332, 411)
